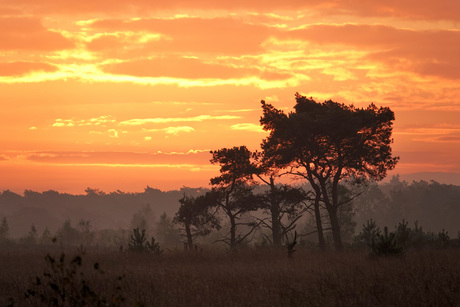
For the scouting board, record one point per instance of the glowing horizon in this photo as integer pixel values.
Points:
(124, 95)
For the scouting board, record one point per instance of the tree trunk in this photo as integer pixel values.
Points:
(335, 227)
(319, 225)
(276, 226)
(232, 231)
(331, 208)
(275, 212)
(189, 236)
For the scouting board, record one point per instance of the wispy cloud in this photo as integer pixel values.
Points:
(95, 121)
(248, 127)
(172, 130)
(175, 74)
(191, 157)
(21, 68)
(161, 120)
(28, 34)
(432, 133)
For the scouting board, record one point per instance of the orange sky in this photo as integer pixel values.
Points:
(125, 94)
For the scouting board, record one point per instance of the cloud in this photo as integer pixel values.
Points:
(191, 157)
(172, 130)
(95, 121)
(21, 68)
(230, 36)
(113, 133)
(190, 68)
(63, 123)
(161, 120)
(248, 127)
(432, 133)
(27, 33)
(408, 9)
(428, 53)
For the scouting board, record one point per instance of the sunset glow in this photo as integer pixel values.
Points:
(121, 95)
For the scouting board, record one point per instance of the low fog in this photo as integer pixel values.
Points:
(107, 218)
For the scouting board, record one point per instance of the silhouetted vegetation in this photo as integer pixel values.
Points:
(139, 243)
(328, 143)
(339, 152)
(246, 278)
(65, 283)
(197, 218)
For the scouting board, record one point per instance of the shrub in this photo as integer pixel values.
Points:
(385, 244)
(65, 284)
(443, 238)
(369, 232)
(403, 233)
(138, 243)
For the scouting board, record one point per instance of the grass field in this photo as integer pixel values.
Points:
(245, 278)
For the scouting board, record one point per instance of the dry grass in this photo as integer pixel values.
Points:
(255, 278)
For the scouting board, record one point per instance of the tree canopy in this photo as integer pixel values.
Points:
(328, 142)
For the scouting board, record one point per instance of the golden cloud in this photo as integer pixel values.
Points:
(160, 120)
(248, 127)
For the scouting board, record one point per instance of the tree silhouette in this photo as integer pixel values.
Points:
(328, 142)
(196, 216)
(285, 204)
(232, 191)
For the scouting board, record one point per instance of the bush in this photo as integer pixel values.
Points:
(369, 233)
(65, 284)
(138, 243)
(385, 244)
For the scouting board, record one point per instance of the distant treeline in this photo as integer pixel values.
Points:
(112, 210)
(433, 205)
(110, 217)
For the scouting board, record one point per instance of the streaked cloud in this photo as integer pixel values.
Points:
(191, 157)
(189, 68)
(160, 120)
(172, 130)
(176, 75)
(20, 68)
(95, 121)
(181, 35)
(28, 33)
(248, 127)
(409, 9)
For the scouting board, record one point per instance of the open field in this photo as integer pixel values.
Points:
(245, 278)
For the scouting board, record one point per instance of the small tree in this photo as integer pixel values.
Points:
(368, 234)
(144, 219)
(68, 234)
(138, 243)
(31, 237)
(166, 233)
(443, 238)
(86, 231)
(197, 218)
(235, 206)
(46, 237)
(385, 244)
(403, 233)
(232, 191)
